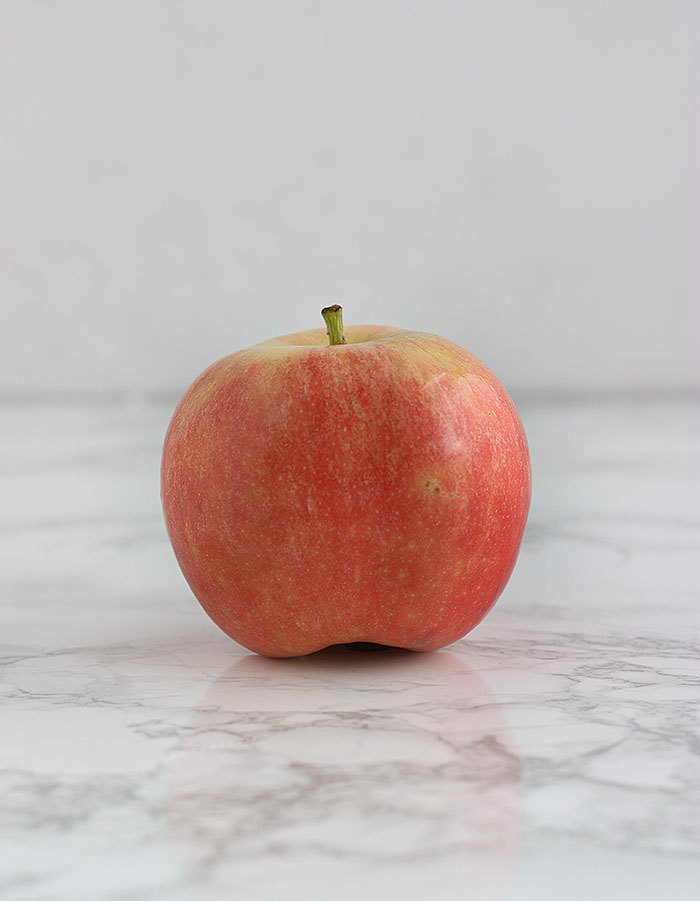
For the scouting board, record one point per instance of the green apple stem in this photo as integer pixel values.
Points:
(333, 317)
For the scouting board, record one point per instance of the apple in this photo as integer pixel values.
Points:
(332, 487)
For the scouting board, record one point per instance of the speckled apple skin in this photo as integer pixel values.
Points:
(375, 491)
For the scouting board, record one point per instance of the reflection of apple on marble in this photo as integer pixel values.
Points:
(366, 485)
(346, 764)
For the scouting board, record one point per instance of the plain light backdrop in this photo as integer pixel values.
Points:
(182, 179)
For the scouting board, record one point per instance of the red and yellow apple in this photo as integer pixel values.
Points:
(322, 493)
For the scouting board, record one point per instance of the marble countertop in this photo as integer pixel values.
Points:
(551, 754)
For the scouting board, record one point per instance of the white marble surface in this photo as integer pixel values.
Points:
(552, 754)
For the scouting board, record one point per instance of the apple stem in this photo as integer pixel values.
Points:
(333, 317)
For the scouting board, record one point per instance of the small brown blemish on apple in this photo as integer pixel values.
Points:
(432, 485)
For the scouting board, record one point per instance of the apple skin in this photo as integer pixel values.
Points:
(375, 491)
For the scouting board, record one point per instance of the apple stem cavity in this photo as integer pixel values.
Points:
(333, 317)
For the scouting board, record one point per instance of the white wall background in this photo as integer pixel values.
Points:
(181, 179)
